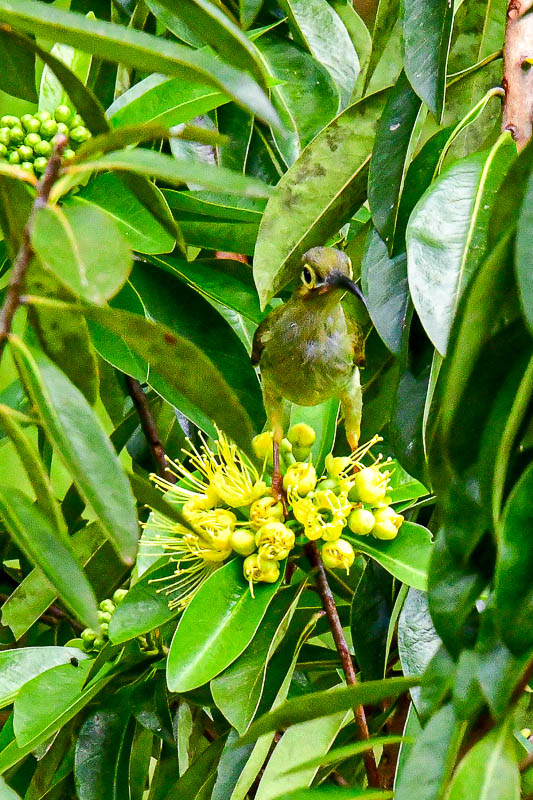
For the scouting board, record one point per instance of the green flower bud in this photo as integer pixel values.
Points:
(43, 116)
(13, 157)
(43, 148)
(62, 113)
(9, 121)
(5, 136)
(28, 122)
(104, 616)
(68, 154)
(32, 140)
(119, 594)
(26, 153)
(62, 128)
(3, 150)
(301, 453)
(80, 134)
(242, 541)
(388, 523)
(39, 164)
(27, 166)
(104, 627)
(107, 605)
(88, 636)
(301, 435)
(98, 643)
(361, 521)
(76, 121)
(338, 554)
(370, 486)
(17, 135)
(48, 128)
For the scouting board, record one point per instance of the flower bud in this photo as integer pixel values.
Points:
(88, 636)
(76, 121)
(40, 164)
(331, 484)
(17, 135)
(265, 509)
(62, 114)
(119, 595)
(43, 148)
(27, 166)
(336, 464)
(361, 521)
(79, 134)
(370, 486)
(13, 157)
(104, 616)
(107, 605)
(104, 629)
(301, 453)
(285, 447)
(29, 123)
(48, 128)
(300, 477)
(242, 541)
(5, 136)
(262, 446)
(388, 522)
(26, 153)
(214, 556)
(32, 140)
(3, 150)
(256, 569)
(301, 435)
(274, 540)
(9, 121)
(338, 554)
(98, 643)
(43, 116)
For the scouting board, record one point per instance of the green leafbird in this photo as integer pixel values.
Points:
(309, 350)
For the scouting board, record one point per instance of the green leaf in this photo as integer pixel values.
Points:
(35, 470)
(136, 49)
(16, 201)
(99, 747)
(79, 438)
(319, 28)
(174, 171)
(303, 94)
(134, 222)
(489, 769)
(18, 70)
(369, 620)
(213, 26)
(166, 101)
(514, 596)
(237, 691)
(384, 284)
(34, 535)
(427, 31)
(52, 93)
(403, 486)
(7, 792)
(295, 747)
(51, 699)
(230, 766)
(361, 39)
(318, 194)
(215, 204)
(349, 750)
(17, 667)
(216, 627)
(336, 793)
(387, 15)
(84, 248)
(145, 607)
(236, 237)
(429, 765)
(406, 557)
(417, 639)
(523, 261)
(396, 136)
(442, 259)
(249, 9)
(325, 703)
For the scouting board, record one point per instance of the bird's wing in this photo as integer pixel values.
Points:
(357, 336)
(263, 333)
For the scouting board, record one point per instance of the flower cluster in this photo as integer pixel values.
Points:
(28, 141)
(94, 640)
(230, 510)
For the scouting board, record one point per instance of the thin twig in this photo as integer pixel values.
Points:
(25, 253)
(149, 429)
(328, 601)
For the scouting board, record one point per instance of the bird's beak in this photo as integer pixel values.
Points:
(342, 280)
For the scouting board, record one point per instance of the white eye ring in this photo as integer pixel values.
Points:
(308, 277)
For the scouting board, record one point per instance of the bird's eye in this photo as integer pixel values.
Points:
(308, 277)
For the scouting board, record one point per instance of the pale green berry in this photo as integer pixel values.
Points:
(39, 165)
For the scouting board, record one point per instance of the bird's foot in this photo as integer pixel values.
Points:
(279, 493)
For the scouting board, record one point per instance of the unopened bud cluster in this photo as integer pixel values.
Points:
(28, 141)
(93, 640)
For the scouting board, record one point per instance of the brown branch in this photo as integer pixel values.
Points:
(25, 253)
(328, 602)
(518, 72)
(149, 429)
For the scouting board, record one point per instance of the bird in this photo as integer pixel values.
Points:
(309, 350)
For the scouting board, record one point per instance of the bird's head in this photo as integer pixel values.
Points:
(326, 269)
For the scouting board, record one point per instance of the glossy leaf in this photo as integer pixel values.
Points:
(385, 287)
(35, 536)
(84, 248)
(406, 557)
(311, 202)
(523, 236)
(215, 204)
(325, 703)
(320, 29)
(136, 49)
(134, 222)
(418, 640)
(166, 101)
(16, 200)
(98, 750)
(21, 665)
(18, 70)
(238, 237)
(338, 754)
(369, 620)
(426, 56)
(489, 769)
(361, 40)
(174, 171)
(336, 793)
(441, 260)
(52, 93)
(216, 627)
(78, 436)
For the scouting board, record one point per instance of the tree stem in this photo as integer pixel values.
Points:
(328, 602)
(149, 429)
(25, 253)
(518, 72)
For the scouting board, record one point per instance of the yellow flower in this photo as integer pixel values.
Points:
(370, 485)
(361, 521)
(242, 541)
(388, 523)
(300, 477)
(338, 554)
(262, 446)
(301, 506)
(301, 435)
(195, 505)
(216, 527)
(274, 540)
(328, 517)
(256, 569)
(234, 478)
(266, 509)
(336, 465)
